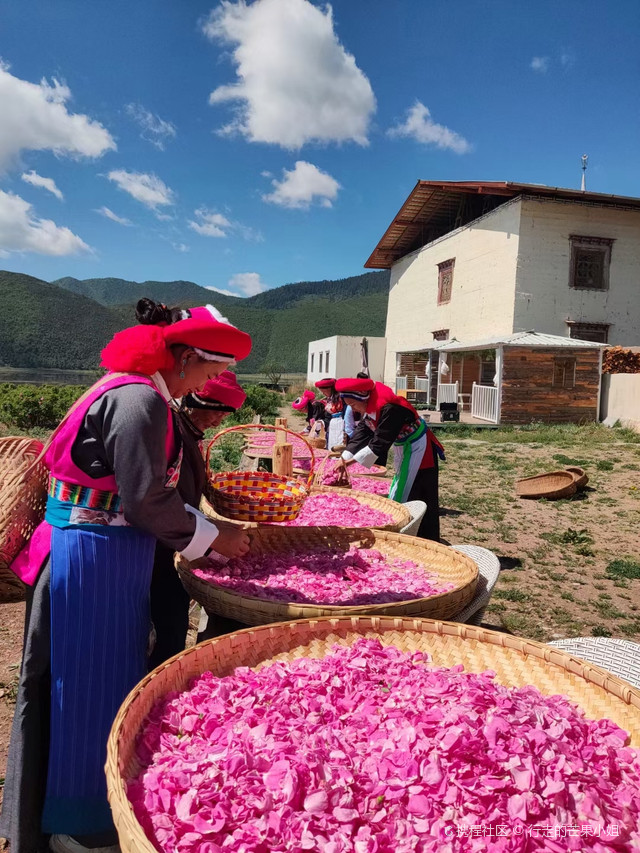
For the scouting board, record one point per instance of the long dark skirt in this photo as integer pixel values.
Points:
(169, 608)
(425, 488)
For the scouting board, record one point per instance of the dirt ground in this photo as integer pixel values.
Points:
(563, 562)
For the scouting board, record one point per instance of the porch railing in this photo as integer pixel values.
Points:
(447, 392)
(484, 402)
(401, 383)
(422, 384)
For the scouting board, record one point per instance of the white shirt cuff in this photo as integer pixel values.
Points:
(366, 457)
(346, 455)
(205, 533)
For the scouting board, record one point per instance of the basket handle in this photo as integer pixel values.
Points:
(320, 472)
(244, 427)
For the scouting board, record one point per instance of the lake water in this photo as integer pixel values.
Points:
(46, 376)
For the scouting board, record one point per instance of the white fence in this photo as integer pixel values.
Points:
(484, 403)
(422, 384)
(620, 399)
(447, 392)
(401, 383)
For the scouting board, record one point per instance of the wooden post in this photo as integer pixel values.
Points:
(283, 459)
(281, 437)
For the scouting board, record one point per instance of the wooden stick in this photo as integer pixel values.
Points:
(283, 459)
(281, 437)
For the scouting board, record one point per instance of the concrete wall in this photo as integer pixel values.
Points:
(620, 399)
(482, 296)
(344, 357)
(544, 301)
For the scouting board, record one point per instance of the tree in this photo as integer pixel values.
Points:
(273, 371)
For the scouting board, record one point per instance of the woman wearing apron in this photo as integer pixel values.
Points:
(114, 464)
(202, 410)
(333, 412)
(390, 421)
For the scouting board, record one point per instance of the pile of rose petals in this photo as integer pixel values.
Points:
(336, 510)
(371, 750)
(372, 485)
(330, 576)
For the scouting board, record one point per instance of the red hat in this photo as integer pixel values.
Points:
(325, 383)
(301, 403)
(359, 389)
(145, 348)
(221, 392)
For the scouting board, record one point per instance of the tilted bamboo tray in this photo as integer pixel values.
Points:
(398, 512)
(579, 476)
(23, 496)
(516, 662)
(449, 565)
(552, 486)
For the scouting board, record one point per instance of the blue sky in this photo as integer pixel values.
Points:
(117, 160)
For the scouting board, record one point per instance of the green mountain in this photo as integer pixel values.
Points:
(68, 321)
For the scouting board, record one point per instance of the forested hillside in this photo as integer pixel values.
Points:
(65, 323)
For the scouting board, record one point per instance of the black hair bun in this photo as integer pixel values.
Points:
(151, 313)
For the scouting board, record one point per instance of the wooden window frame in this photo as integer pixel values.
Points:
(444, 268)
(581, 328)
(560, 379)
(441, 335)
(582, 243)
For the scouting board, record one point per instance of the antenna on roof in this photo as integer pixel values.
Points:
(585, 157)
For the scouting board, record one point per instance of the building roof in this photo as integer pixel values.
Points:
(518, 339)
(434, 208)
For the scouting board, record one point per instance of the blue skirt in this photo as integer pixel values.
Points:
(100, 580)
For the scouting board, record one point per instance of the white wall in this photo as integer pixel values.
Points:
(620, 399)
(544, 300)
(481, 304)
(344, 357)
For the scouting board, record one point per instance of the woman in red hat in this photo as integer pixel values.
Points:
(389, 421)
(114, 462)
(333, 412)
(201, 410)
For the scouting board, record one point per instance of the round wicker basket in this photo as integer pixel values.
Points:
(552, 486)
(23, 495)
(449, 565)
(516, 662)
(398, 512)
(579, 476)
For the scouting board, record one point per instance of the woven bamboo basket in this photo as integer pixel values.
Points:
(398, 512)
(23, 496)
(517, 662)
(579, 475)
(256, 496)
(552, 486)
(449, 565)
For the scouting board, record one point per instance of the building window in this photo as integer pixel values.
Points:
(597, 332)
(590, 260)
(312, 360)
(441, 335)
(487, 368)
(445, 280)
(564, 372)
(320, 363)
(326, 358)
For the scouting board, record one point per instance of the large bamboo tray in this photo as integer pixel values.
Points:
(449, 565)
(398, 512)
(552, 486)
(516, 662)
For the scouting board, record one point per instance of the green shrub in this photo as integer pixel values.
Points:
(624, 568)
(36, 406)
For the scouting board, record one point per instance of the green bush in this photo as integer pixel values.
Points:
(36, 406)
(260, 401)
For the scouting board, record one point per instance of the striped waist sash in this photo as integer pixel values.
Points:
(411, 432)
(84, 496)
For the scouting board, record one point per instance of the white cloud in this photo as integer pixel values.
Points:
(211, 224)
(248, 283)
(147, 189)
(420, 126)
(181, 247)
(154, 129)
(303, 185)
(295, 82)
(540, 64)
(21, 231)
(567, 59)
(220, 290)
(34, 117)
(38, 181)
(109, 214)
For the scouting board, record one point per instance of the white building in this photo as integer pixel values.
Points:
(472, 261)
(342, 356)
